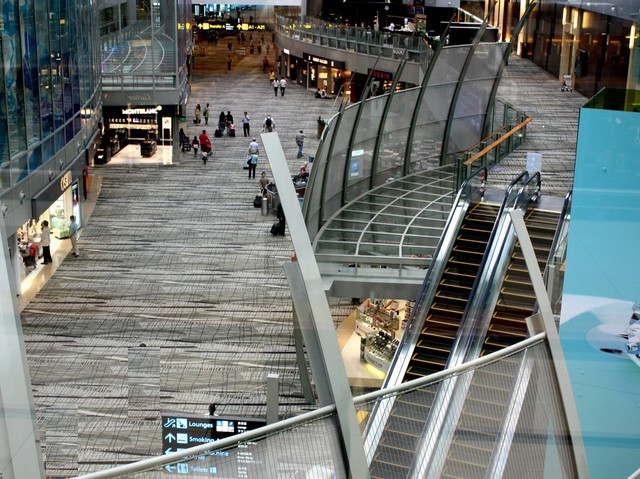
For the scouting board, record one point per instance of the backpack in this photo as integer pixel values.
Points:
(268, 122)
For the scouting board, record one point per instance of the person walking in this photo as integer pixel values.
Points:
(272, 76)
(206, 114)
(229, 44)
(229, 62)
(205, 157)
(276, 85)
(253, 163)
(300, 142)
(205, 143)
(195, 144)
(254, 149)
(263, 181)
(45, 242)
(269, 124)
(246, 128)
(73, 235)
(265, 64)
(196, 115)
(283, 85)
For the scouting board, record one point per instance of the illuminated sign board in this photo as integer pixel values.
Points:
(324, 61)
(182, 431)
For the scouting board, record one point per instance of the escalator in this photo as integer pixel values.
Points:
(443, 318)
(516, 300)
(404, 428)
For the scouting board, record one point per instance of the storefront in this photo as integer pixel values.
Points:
(56, 203)
(375, 329)
(142, 124)
(381, 83)
(324, 74)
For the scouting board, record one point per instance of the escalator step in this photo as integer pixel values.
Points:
(464, 450)
(448, 309)
(405, 426)
(495, 393)
(463, 470)
(435, 335)
(498, 343)
(430, 354)
(415, 371)
(518, 295)
(516, 306)
(442, 320)
(455, 296)
(506, 331)
(509, 318)
(381, 470)
(395, 456)
(456, 283)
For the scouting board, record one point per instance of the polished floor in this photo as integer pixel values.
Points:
(178, 298)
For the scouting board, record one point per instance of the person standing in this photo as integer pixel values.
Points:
(246, 128)
(206, 114)
(283, 85)
(269, 124)
(276, 85)
(229, 44)
(229, 62)
(45, 241)
(196, 115)
(73, 235)
(253, 163)
(263, 181)
(195, 144)
(265, 64)
(300, 142)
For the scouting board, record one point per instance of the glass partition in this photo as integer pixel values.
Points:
(362, 151)
(337, 162)
(393, 144)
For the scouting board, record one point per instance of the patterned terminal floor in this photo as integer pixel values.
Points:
(176, 258)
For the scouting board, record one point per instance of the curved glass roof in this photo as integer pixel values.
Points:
(399, 222)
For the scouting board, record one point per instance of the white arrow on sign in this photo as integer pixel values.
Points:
(170, 437)
(168, 451)
(170, 468)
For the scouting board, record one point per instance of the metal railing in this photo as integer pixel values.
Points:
(356, 39)
(309, 442)
(491, 150)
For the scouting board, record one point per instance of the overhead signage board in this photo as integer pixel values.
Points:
(183, 431)
(324, 61)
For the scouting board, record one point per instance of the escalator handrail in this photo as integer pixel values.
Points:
(407, 344)
(464, 197)
(564, 217)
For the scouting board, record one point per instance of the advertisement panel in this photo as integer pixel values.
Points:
(600, 319)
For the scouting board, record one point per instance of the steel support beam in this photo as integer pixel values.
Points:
(20, 455)
(333, 367)
(553, 339)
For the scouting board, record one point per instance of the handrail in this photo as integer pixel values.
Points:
(499, 141)
(225, 443)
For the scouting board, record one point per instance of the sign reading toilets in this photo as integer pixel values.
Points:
(600, 319)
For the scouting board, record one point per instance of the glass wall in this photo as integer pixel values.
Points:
(362, 151)
(150, 38)
(48, 79)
